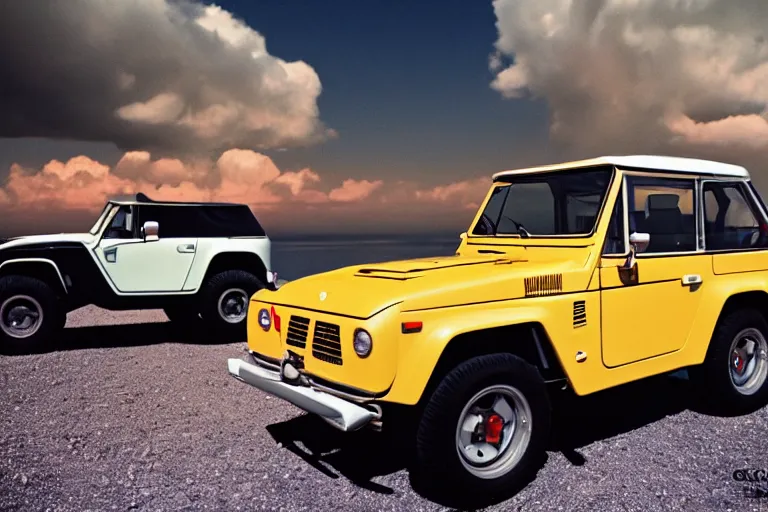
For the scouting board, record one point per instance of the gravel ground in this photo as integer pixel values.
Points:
(128, 415)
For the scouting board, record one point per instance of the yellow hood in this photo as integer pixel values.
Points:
(361, 291)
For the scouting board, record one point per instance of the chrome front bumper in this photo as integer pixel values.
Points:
(342, 414)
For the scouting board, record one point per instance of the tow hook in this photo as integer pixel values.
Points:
(290, 368)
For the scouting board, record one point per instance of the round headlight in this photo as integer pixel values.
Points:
(362, 343)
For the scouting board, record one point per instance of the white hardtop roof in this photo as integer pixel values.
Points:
(649, 162)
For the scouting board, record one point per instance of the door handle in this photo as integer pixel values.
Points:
(185, 248)
(690, 279)
(110, 254)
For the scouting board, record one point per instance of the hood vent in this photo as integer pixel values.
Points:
(543, 285)
(579, 313)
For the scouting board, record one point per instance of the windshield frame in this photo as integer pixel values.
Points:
(510, 180)
(100, 220)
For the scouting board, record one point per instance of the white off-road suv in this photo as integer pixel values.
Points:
(199, 262)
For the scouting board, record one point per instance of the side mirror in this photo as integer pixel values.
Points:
(638, 242)
(150, 231)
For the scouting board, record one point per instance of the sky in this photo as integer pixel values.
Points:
(354, 117)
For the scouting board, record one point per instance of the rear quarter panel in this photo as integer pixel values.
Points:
(207, 248)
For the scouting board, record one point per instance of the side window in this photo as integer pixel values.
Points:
(121, 225)
(614, 240)
(731, 220)
(663, 208)
(529, 204)
(173, 221)
(156, 214)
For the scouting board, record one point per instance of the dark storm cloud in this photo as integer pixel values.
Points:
(688, 78)
(165, 76)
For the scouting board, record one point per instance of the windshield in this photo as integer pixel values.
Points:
(561, 203)
(95, 229)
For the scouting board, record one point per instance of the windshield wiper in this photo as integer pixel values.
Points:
(520, 228)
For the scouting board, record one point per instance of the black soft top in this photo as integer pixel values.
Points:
(141, 198)
(203, 220)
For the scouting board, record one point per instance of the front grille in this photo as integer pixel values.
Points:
(298, 330)
(326, 343)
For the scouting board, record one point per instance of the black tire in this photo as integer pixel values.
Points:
(18, 290)
(213, 292)
(714, 379)
(437, 452)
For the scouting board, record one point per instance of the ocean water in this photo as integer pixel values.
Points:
(299, 257)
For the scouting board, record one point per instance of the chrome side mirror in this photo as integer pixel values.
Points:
(150, 231)
(638, 242)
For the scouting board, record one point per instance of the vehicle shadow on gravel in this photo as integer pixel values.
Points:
(577, 422)
(132, 335)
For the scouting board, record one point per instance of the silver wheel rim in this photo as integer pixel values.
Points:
(20, 316)
(233, 305)
(748, 362)
(508, 408)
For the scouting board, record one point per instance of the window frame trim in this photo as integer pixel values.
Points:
(625, 222)
(614, 173)
(750, 196)
(626, 174)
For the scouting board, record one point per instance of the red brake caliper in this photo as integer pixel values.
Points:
(738, 362)
(493, 426)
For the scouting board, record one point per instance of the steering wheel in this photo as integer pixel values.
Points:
(488, 226)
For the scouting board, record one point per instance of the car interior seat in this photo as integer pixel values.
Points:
(666, 225)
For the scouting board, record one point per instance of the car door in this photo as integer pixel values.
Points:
(650, 311)
(136, 265)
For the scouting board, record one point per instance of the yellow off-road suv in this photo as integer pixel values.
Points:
(592, 274)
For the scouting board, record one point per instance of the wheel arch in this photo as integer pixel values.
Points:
(236, 260)
(753, 299)
(528, 340)
(39, 268)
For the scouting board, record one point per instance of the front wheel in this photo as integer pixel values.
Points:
(30, 314)
(484, 427)
(225, 300)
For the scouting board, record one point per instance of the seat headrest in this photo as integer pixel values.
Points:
(663, 202)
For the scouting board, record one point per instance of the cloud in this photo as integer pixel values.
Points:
(297, 181)
(354, 190)
(169, 76)
(465, 194)
(657, 76)
(78, 188)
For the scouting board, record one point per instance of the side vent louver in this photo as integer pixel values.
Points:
(579, 313)
(543, 285)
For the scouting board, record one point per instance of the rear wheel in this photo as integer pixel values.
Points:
(30, 314)
(734, 375)
(225, 299)
(484, 427)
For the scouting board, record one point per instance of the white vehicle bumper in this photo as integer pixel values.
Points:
(342, 414)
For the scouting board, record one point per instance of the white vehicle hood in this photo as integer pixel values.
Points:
(85, 238)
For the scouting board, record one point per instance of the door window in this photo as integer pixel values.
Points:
(663, 208)
(731, 220)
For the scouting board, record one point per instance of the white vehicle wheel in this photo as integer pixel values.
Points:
(20, 316)
(30, 314)
(225, 298)
(233, 305)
